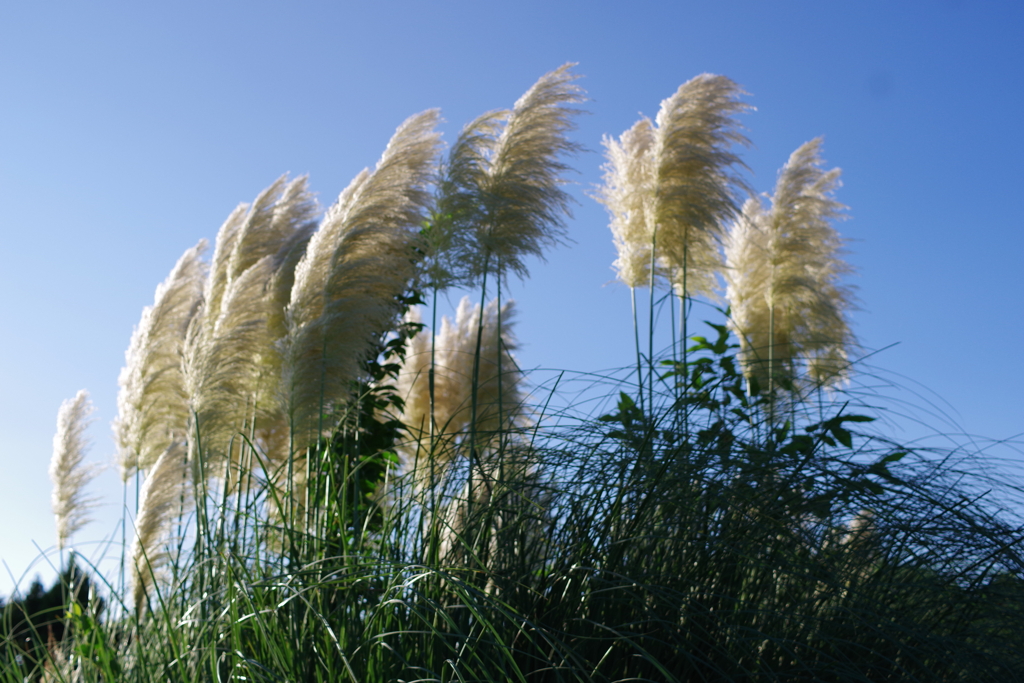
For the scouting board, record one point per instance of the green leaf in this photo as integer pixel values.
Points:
(843, 436)
(894, 457)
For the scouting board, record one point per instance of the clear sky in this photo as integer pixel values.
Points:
(128, 131)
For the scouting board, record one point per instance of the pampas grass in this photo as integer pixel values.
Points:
(356, 264)
(165, 494)
(690, 537)
(499, 399)
(784, 277)
(628, 194)
(502, 182)
(447, 242)
(67, 471)
(279, 213)
(153, 403)
(696, 187)
(671, 186)
(231, 363)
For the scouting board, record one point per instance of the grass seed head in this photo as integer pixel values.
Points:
(67, 471)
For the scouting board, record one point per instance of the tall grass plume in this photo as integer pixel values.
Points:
(784, 277)
(165, 494)
(68, 471)
(499, 398)
(153, 402)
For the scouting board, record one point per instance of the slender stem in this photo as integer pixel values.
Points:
(636, 341)
(431, 375)
(474, 389)
(650, 322)
(124, 535)
(485, 530)
(675, 341)
(680, 399)
(771, 365)
(434, 445)
(501, 414)
(683, 315)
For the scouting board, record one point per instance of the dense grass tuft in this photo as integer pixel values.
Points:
(299, 521)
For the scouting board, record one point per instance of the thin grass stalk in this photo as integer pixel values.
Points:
(124, 538)
(636, 345)
(431, 375)
(684, 314)
(501, 415)
(475, 385)
(771, 366)
(434, 445)
(307, 492)
(485, 527)
(650, 321)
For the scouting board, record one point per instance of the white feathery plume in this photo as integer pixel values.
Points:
(153, 408)
(413, 383)
(67, 472)
(355, 265)
(628, 194)
(502, 182)
(272, 426)
(164, 494)
(524, 205)
(783, 275)
(696, 188)
(224, 248)
(448, 249)
(221, 360)
(231, 363)
(280, 287)
(455, 351)
(277, 215)
(747, 279)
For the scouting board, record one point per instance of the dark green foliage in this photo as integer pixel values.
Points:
(695, 540)
(33, 625)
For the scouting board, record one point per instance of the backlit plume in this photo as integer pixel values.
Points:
(697, 188)
(153, 405)
(232, 366)
(784, 270)
(628, 194)
(356, 264)
(671, 186)
(165, 493)
(500, 190)
(499, 397)
(67, 471)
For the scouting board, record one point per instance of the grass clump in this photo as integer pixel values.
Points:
(333, 492)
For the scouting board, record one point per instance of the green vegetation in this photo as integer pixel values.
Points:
(332, 492)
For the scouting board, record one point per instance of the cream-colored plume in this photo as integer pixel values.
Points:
(696, 186)
(502, 182)
(783, 273)
(67, 472)
(447, 244)
(153, 405)
(232, 365)
(628, 194)
(165, 493)
(670, 187)
(222, 357)
(355, 265)
(278, 215)
(499, 398)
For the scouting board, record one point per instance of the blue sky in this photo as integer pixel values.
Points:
(128, 131)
